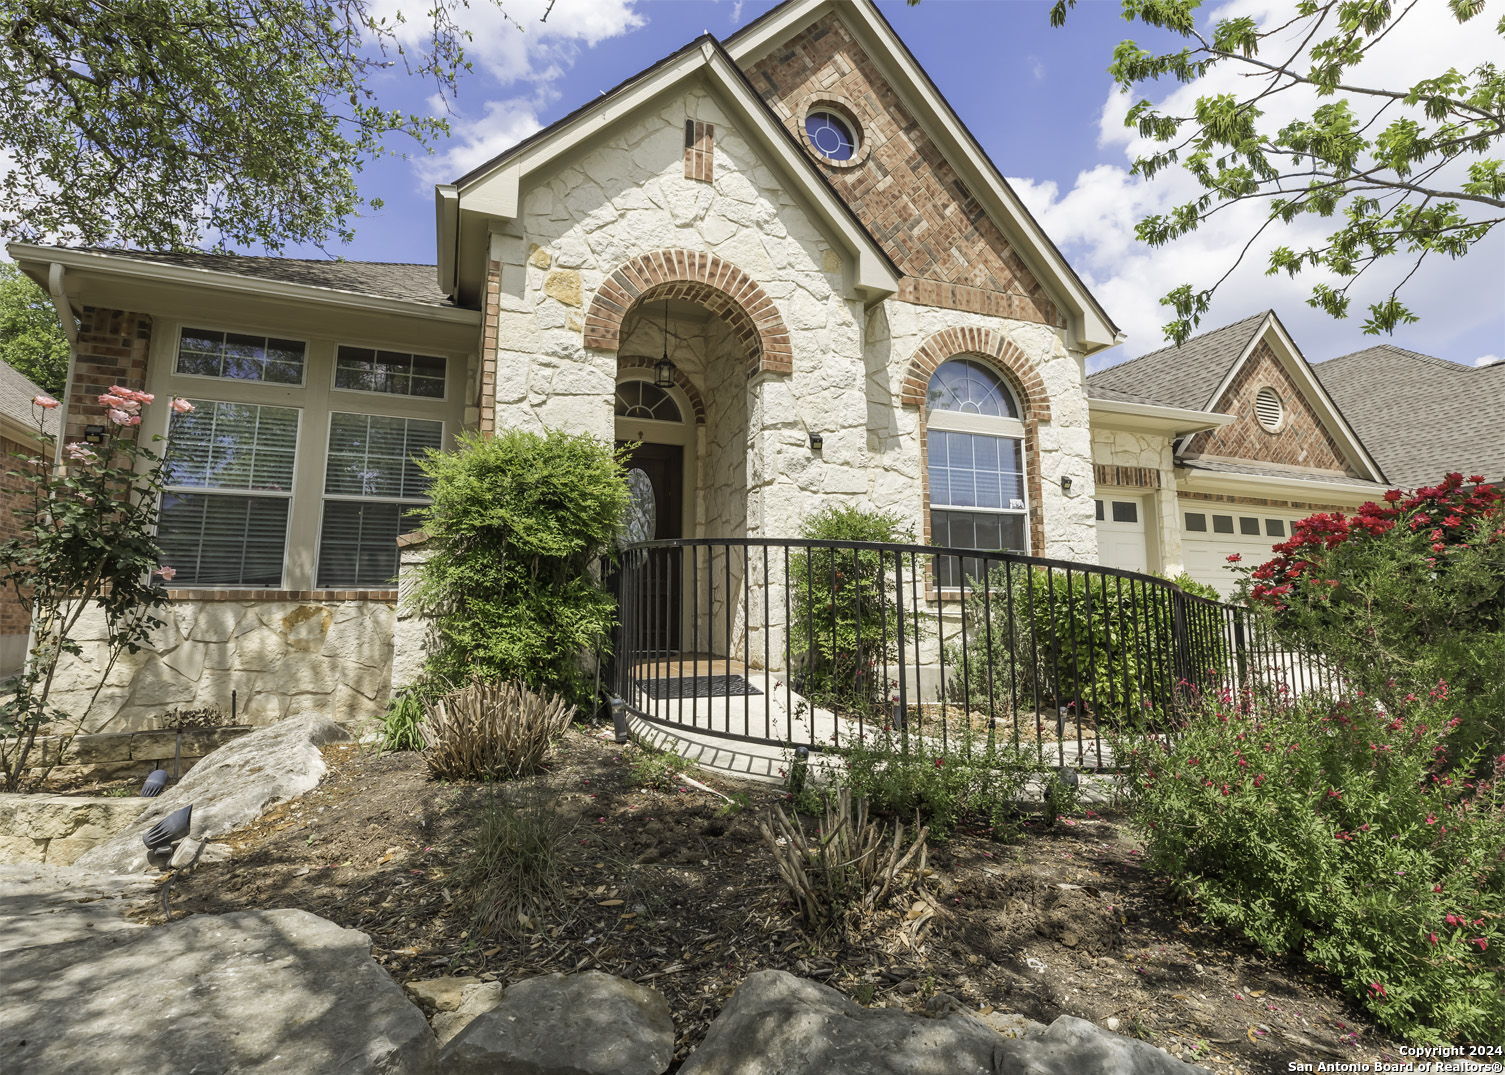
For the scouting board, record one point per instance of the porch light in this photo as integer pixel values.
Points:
(1066, 483)
(94, 434)
(816, 442)
(663, 369)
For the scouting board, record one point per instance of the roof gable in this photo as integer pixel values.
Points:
(494, 189)
(1185, 376)
(1023, 265)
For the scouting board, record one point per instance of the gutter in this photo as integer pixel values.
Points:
(1196, 478)
(1182, 420)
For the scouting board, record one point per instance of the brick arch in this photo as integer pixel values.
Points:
(702, 278)
(683, 383)
(1019, 371)
(1013, 363)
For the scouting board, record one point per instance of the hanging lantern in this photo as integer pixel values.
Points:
(663, 369)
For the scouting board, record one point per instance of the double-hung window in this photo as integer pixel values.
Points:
(975, 466)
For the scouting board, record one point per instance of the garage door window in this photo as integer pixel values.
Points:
(1222, 524)
(1248, 526)
(1275, 527)
(1196, 522)
(975, 464)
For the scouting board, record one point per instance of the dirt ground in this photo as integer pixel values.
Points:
(673, 888)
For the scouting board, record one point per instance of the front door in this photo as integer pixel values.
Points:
(655, 478)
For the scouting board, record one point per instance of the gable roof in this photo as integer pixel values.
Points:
(382, 279)
(1091, 325)
(1184, 376)
(1421, 416)
(495, 187)
(17, 414)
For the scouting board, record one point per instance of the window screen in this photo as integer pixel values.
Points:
(239, 357)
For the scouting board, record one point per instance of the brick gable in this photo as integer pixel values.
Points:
(951, 253)
(1302, 440)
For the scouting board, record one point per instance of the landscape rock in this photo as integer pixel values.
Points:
(42, 905)
(231, 787)
(567, 1024)
(777, 1023)
(477, 999)
(440, 994)
(255, 991)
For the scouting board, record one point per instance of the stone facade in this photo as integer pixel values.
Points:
(57, 829)
(1302, 439)
(280, 655)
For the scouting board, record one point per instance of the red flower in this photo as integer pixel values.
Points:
(1376, 990)
(1482, 943)
(1234, 557)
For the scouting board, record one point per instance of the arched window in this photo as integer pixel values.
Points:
(974, 443)
(644, 399)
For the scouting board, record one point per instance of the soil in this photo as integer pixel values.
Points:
(670, 886)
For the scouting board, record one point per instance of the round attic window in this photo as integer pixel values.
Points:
(832, 136)
(1269, 409)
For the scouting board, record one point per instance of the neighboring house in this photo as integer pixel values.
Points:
(780, 263)
(22, 429)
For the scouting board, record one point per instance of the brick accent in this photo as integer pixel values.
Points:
(899, 184)
(1016, 368)
(700, 146)
(643, 362)
(384, 596)
(1262, 502)
(1301, 441)
(15, 614)
(697, 277)
(1126, 477)
(491, 306)
(112, 347)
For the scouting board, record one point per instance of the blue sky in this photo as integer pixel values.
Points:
(1038, 100)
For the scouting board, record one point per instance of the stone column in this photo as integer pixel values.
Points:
(413, 635)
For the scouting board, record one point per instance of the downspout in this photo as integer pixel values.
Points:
(64, 310)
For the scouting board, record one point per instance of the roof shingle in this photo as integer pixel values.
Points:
(1184, 376)
(16, 393)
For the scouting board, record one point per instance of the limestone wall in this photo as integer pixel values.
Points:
(281, 657)
(59, 828)
(1149, 451)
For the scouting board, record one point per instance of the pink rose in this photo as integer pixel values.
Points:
(80, 452)
(45, 402)
(119, 417)
(182, 406)
(110, 399)
(133, 420)
(167, 573)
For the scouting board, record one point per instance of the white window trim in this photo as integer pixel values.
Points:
(449, 378)
(985, 425)
(315, 399)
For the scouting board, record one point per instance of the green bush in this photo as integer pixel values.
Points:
(913, 775)
(401, 724)
(844, 610)
(1332, 832)
(1401, 595)
(1103, 642)
(518, 525)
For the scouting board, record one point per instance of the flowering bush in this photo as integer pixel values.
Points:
(1402, 594)
(85, 542)
(1333, 831)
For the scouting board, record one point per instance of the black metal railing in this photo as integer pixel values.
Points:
(797, 642)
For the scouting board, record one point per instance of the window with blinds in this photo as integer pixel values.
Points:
(228, 495)
(372, 483)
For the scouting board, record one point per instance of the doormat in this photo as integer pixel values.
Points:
(699, 687)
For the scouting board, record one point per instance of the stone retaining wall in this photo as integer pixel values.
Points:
(58, 828)
(110, 754)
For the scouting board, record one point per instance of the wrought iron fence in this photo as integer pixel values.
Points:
(795, 642)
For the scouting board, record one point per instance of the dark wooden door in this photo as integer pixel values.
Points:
(655, 475)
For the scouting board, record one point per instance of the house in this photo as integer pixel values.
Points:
(23, 429)
(780, 263)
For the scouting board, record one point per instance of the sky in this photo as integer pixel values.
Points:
(1037, 99)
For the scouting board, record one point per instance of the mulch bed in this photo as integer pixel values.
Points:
(674, 889)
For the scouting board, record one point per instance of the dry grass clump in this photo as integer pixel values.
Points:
(849, 868)
(513, 870)
(491, 730)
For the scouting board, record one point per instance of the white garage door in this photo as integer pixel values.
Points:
(1120, 533)
(1211, 533)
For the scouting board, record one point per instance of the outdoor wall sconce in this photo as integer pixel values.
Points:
(1066, 483)
(94, 434)
(816, 442)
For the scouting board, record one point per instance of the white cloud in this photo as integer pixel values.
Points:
(1488, 360)
(509, 46)
(1094, 219)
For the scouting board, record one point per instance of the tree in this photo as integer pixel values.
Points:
(30, 339)
(1406, 172)
(226, 122)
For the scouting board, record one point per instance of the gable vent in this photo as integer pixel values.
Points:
(1269, 409)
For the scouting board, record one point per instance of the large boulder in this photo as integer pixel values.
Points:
(777, 1023)
(53, 904)
(231, 787)
(567, 1024)
(255, 991)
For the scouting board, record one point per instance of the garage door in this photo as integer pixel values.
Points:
(1209, 535)
(1120, 533)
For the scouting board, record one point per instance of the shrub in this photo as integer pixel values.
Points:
(1105, 643)
(843, 605)
(402, 723)
(512, 871)
(491, 730)
(1400, 595)
(915, 775)
(658, 769)
(847, 869)
(1331, 831)
(518, 525)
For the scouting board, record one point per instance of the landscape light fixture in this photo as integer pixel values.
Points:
(817, 442)
(663, 369)
(156, 780)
